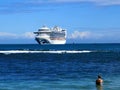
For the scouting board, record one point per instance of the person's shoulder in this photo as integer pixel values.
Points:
(99, 81)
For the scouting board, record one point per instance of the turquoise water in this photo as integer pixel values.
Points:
(59, 67)
(83, 84)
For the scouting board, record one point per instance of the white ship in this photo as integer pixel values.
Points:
(47, 35)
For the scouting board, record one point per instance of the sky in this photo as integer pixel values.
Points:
(86, 21)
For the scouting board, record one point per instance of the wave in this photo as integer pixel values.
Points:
(55, 51)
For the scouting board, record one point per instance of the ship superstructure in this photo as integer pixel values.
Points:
(47, 35)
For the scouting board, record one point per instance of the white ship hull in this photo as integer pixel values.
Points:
(48, 41)
(58, 41)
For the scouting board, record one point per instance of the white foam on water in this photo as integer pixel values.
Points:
(30, 51)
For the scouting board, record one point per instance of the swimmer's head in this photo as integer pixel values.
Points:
(99, 76)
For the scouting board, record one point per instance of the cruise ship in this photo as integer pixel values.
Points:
(55, 35)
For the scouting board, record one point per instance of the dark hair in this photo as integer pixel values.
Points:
(99, 76)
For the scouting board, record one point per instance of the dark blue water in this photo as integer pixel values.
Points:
(59, 67)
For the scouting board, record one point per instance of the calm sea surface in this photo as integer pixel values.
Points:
(59, 67)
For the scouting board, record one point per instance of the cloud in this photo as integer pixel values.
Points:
(99, 2)
(81, 35)
(27, 6)
(7, 35)
(29, 35)
(104, 2)
(84, 35)
(110, 35)
(75, 36)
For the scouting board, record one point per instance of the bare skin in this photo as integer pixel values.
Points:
(99, 80)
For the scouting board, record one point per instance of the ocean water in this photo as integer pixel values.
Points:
(59, 67)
